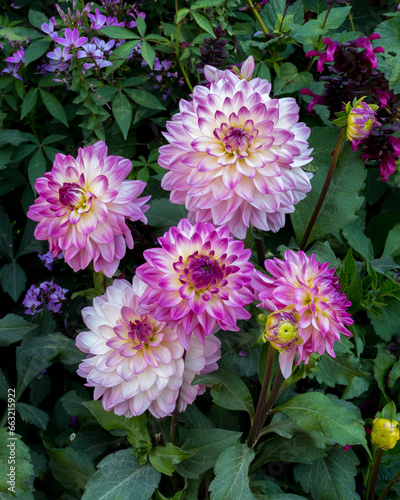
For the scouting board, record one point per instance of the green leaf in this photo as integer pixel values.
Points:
(54, 346)
(6, 235)
(28, 368)
(23, 469)
(387, 322)
(29, 243)
(53, 106)
(37, 18)
(241, 365)
(290, 80)
(207, 445)
(141, 26)
(162, 215)
(36, 50)
(392, 245)
(300, 448)
(122, 111)
(203, 22)
(394, 375)
(228, 391)
(119, 32)
(94, 441)
(309, 31)
(19, 33)
(36, 167)
(339, 370)
(13, 328)
(324, 253)
(336, 17)
(33, 415)
(342, 199)
(119, 475)
(135, 427)
(71, 468)
(120, 54)
(315, 413)
(4, 386)
(39, 389)
(29, 102)
(15, 138)
(144, 99)
(383, 362)
(164, 458)
(105, 93)
(13, 280)
(231, 474)
(330, 478)
(181, 14)
(205, 4)
(358, 241)
(148, 53)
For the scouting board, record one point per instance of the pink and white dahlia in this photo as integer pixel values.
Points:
(134, 362)
(199, 360)
(235, 154)
(198, 280)
(82, 207)
(312, 294)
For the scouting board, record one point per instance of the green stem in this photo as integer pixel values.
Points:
(389, 486)
(374, 476)
(174, 421)
(350, 18)
(258, 417)
(258, 17)
(260, 251)
(185, 75)
(324, 189)
(283, 18)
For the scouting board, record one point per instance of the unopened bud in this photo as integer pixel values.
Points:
(385, 433)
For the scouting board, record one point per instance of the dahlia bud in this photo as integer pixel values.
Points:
(361, 120)
(282, 329)
(385, 433)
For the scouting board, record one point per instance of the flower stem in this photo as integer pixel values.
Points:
(258, 417)
(178, 58)
(283, 18)
(258, 17)
(374, 476)
(350, 18)
(324, 189)
(389, 486)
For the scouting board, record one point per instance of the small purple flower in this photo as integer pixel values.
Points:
(48, 259)
(113, 21)
(99, 20)
(12, 70)
(48, 295)
(72, 39)
(17, 58)
(135, 15)
(49, 28)
(59, 59)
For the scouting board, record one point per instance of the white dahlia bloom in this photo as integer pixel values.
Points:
(134, 361)
(235, 154)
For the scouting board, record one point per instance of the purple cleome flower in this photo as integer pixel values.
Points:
(47, 294)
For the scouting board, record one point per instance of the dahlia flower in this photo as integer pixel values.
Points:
(82, 207)
(134, 361)
(385, 433)
(235, 154)
(282, 331)
(198, 279)
(361, 120)
(199, 360)
(309, 289)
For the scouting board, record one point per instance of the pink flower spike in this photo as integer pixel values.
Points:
(82, 207)
(235, 154)
(198, 280)
(134, 362)
(306, 295)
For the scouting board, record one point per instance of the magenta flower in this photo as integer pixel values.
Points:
(72, 39)
(235, 154)
(134, 362)
(58, 59)
(198, 279)
(49, 28)
(309, 289)
(82, 207)
(199, 360)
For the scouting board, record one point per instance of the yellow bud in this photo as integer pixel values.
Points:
(385, 433)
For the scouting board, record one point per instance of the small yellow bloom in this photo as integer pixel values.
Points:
(385, 433)
(361, 119)
(282, 329)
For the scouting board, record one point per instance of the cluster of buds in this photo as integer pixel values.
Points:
(385, 433)
(47, 294)
(74, 18)
(354, 77)
(213, 51)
